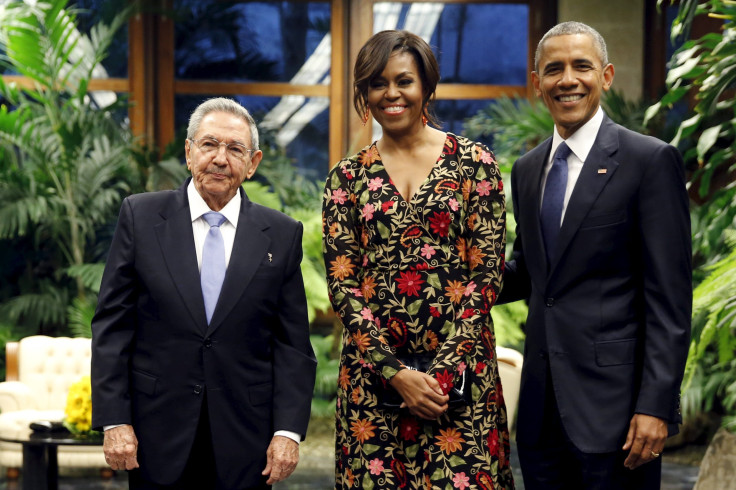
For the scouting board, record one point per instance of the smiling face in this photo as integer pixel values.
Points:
(217, 176)
(570, 80)
(396, 96)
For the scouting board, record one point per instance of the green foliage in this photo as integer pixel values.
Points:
(710, 375)
(707, 67)
(516, 125)
(710, 222)
(325, 386)
(79, 317)
(714, 309)
(66, 161)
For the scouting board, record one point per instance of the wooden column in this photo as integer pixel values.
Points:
(339, 109)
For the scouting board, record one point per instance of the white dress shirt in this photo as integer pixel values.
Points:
(580, 143)
(200, 227)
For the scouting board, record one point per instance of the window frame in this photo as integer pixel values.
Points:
(152, 86)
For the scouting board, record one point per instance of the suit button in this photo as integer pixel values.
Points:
(208, 343)
(197, 389)
(550, 302)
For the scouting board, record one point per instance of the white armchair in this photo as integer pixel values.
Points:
(39, 372)
(509, 369)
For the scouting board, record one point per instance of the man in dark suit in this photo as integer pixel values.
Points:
(203, 380)
(603, 256)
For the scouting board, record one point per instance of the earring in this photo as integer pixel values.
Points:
(424, 115)
(366, 116)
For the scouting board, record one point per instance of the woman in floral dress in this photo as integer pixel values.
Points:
(414, 235)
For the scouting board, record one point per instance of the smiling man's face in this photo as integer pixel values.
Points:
(570, 80)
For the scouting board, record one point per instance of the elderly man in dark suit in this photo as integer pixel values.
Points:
(202, 370)
(603, 256)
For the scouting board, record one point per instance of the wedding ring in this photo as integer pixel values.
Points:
(656, 455)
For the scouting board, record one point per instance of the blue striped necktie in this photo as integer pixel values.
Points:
(213, 263)
(553, 200)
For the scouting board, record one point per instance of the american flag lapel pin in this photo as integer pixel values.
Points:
(270, 257)
(602, 170)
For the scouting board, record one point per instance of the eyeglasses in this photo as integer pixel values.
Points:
(210, 146)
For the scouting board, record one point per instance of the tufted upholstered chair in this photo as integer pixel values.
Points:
(40, 371)
(509, 369)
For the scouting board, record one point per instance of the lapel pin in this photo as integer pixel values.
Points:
(270, 257)
(602, 170)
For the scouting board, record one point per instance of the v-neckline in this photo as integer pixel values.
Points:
(424, 182)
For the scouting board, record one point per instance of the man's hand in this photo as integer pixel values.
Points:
(645, 440)
(121, 448)
(282, 457)
(421, 393)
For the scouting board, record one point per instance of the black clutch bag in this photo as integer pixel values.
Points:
(459, 395)
(48, 426)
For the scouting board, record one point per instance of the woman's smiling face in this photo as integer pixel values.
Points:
(396, 96)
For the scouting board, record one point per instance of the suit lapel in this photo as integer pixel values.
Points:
(250, 246)
(589, 185)
(176, 239)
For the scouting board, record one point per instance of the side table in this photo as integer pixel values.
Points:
(40, 463)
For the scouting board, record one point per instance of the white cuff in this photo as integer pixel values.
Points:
(291, 435)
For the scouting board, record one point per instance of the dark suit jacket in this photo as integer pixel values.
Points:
(610, 315)
(154, 356)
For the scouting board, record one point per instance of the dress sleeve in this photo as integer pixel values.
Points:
(480, 247)
(343, 261)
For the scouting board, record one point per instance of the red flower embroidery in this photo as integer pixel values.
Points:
(440, 223)
(408, 429)
(493, 442)
(480, 367)
(468, 313)
(409, 283)
(445, 380)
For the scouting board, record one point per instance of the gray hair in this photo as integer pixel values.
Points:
(567, 28)
(222, 104)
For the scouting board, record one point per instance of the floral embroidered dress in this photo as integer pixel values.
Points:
(413, 278)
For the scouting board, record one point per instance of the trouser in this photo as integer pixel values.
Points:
(200, 472)
(555, 463)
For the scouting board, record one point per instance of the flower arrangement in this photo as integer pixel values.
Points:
(78, 410)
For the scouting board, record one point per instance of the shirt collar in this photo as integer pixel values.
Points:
(197, 206)
(581, 141)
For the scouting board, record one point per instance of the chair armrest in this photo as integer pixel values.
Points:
(15, 395)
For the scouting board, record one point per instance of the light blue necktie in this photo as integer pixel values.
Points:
(553, 200)
(213, 263)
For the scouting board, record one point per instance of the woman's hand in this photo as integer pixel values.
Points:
(421, 393)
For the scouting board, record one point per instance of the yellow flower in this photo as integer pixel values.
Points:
(78, 410)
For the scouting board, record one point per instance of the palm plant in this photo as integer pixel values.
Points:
(710, 373)
(65, 161)
(706, 67)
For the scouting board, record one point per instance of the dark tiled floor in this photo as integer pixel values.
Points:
(317, 475)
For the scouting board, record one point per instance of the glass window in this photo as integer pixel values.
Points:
(253, 41)
(96, 11)
(299, 125)
(474, 43)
